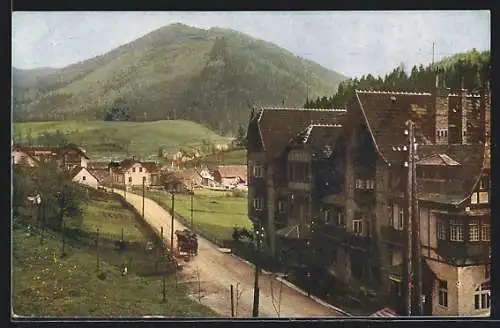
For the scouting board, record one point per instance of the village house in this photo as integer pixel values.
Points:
(207, 178)
(348, 209)
(230, 175)
(20, 157)
(132, 172)
(221, 147)
(83, 176)
(181, 181)
(65, 157)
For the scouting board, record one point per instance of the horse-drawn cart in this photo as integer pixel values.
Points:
(187, 242)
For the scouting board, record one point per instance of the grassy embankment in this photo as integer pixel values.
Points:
(105, 140)
(46, 284)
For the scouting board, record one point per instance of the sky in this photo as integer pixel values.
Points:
(351, 43)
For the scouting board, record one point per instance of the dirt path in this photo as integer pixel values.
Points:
(218, 271)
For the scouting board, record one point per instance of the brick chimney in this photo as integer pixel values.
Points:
(485, 108)
(441, 104)
(463, 112)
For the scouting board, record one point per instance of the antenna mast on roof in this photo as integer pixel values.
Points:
(432, 54)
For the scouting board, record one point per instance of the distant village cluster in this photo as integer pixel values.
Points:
(132, 172)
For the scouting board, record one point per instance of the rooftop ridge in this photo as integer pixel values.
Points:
(306, 109)
(325, 125)
(469, 95)
(405, 93)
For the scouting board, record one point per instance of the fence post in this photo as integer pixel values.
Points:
(232, 301)
(98, 251)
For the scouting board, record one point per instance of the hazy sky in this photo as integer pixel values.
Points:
(352, 43)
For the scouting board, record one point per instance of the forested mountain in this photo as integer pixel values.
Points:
(176, 72)
(470, 70)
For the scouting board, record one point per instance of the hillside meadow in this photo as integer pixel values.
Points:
(46, 284)
(103, 139)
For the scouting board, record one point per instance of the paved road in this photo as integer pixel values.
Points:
(217, 271)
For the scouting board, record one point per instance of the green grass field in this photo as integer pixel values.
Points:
(46, 284)
(216, 213)
(105, 139)
(232, 157)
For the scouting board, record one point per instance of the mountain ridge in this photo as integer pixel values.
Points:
(206, 75)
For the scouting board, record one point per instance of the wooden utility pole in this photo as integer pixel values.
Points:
(192, 195)
(416, 249)
(407, 226)
(98, 251)
(172, 223)
(63, 238)
(259, 236)
(255, 311)
(232, 301)
(163, 266)
(143, 183)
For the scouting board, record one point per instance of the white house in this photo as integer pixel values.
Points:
(132, 173)
(83, 176)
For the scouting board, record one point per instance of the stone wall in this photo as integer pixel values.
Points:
(468, 279)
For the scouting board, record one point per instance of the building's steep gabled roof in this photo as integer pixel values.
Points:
(102, 175)
(127, 163)
(232, 171)
(386, 113)
(25, 157)
(77, 169)
(74, 171)
(150, 166)
(277, 126)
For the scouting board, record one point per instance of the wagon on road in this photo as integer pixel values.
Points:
(187, 242)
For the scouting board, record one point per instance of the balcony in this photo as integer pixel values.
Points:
(354, 241)
(299, 185)
(392, 236)
(470, 252)
(336, 233)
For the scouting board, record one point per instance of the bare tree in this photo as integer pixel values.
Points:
(238, 296)
(198, 280)
(276, 299)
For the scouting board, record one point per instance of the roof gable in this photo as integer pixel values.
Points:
(78, 169)
(279, 125)
(385, 115)
(232, 171)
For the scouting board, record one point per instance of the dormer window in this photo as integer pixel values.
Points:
(484, 183)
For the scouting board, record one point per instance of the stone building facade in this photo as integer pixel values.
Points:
(355, 223)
